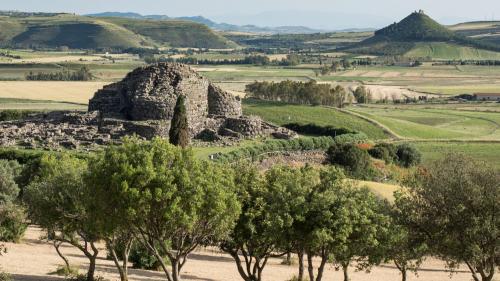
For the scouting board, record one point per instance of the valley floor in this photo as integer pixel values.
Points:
(34, 259)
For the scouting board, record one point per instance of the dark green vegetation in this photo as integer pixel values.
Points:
(467, 232)
(157, 195)
(83, 74)
(293, 92)
(281, 114)
(415, 32)
(12, 213)
(78, 32)
(179, 130)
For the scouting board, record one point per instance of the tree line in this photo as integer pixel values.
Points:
(82, 74)
(295, 92)
(160, 196)
(290, 60)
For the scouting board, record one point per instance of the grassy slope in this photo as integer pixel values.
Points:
(282, 114)
(437, 124)
(450, 51)
(88, 33)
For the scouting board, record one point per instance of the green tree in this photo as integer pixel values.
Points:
(179, 129)
(12, 215)
(354, 160)
(271, 205)
(174, 202)
(365, 227)
(405, 247)
(58, 202)
(408, 155)
(454, 204)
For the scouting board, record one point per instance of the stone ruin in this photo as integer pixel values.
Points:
(143, 104)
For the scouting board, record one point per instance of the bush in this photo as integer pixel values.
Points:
(351, 138)
(384, 151)
(313, 129)
(62, 270)
(408, 155)
(9, 171)
(12, 222)
(141, 258)
(5, 277)
(353, 159)
(14, 114)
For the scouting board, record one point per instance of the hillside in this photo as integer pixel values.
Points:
(418, 35)
(484, 31)
(79, 32)
(215, 25)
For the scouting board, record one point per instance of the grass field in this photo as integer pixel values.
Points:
(483, 151)
(280, 114)
(447, 51)
(443, 124)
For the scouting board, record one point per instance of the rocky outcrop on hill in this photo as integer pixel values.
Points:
(143, 104)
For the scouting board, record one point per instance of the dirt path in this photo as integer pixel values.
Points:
(33, 259)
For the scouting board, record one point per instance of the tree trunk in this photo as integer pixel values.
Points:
(176, 276)
(57, 245)
(345, 268)
(301, 265)
(310, 267)
(91, 271)
(321, 267)
(403, 274)
(123, 268)
(289, 258)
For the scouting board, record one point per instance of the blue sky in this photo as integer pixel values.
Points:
(332, 14)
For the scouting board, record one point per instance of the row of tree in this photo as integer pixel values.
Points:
(163, 198)
(83, 74)
(295, 92)
(290, 60)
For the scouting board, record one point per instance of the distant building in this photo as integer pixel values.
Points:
(487, 96)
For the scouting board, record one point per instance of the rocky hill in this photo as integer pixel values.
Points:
(80, 32)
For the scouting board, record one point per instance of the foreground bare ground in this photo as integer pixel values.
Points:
(33, 260)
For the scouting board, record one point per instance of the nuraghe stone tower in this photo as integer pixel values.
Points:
(143, 104)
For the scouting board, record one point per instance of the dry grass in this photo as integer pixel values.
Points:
(76, 92)
(32, 260)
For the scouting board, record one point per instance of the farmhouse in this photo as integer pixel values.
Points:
(487, 96)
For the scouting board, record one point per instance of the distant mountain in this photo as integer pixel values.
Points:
(419, 34)
(110, 32)
(217, 26)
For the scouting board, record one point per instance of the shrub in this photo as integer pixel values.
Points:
(351, 138)
(62, 270)
(14, 114)
(408, 155)
(5, 277)
(12, 222)
(353, 159)
(313, 129)
(9, 170)
(384, 151)
(141, 258)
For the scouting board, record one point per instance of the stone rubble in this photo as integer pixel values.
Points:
(143, 104)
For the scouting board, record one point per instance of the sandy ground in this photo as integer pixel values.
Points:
(77, 92)
(33, 259)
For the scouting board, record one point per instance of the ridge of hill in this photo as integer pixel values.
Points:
(417, 31)
(81, 32)
(217, 26)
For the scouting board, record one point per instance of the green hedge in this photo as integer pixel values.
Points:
(277, 146)
(14, 114)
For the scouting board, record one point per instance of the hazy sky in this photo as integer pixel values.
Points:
(315, 13)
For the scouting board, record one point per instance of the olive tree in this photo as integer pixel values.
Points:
(57, 201)
(454, 204)
(173, 202)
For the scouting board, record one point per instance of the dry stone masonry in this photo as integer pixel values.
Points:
(143, 104)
